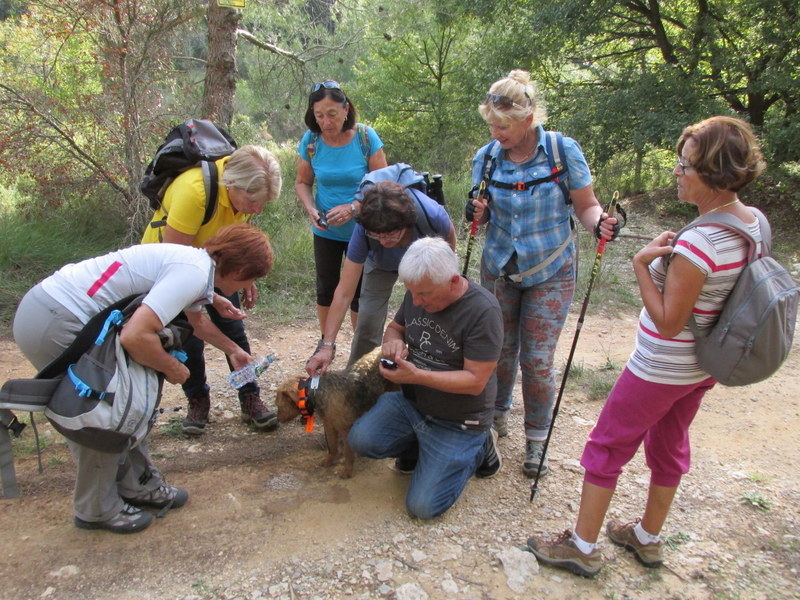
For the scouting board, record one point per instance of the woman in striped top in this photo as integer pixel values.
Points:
(659, 392)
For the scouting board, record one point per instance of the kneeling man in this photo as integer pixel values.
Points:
(445, 341)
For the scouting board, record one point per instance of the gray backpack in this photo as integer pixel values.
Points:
(754, 333)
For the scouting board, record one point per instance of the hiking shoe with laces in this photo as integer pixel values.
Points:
(254, 411)
(533, 454)
(564, 554)
(164, 496)
(197, 416)
(129, 520)
(622, 534)
(500, 423)
(492, 461)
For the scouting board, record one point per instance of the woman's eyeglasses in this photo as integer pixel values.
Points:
(504, 102)
(328, 85)
(683, 166)
(391, 237)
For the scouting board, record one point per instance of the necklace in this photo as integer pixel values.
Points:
(722, 206)
(521, 160)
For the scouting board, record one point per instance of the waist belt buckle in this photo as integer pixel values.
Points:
(519, 186)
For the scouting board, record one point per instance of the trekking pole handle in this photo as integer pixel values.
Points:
(473, 229)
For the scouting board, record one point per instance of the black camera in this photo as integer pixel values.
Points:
(323, 219)
(388, 364)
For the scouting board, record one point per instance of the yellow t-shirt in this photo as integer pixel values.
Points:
(184, 205)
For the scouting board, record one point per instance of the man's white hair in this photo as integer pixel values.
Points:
(428, 257)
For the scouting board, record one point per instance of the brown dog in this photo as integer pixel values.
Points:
(340, 398)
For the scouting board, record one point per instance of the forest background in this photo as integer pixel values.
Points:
(89, 88)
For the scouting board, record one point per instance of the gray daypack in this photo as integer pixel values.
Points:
(754, 333)
(92, 393)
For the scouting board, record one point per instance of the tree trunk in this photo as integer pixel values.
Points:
(221, 73)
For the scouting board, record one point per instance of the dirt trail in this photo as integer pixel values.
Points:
(265, 521)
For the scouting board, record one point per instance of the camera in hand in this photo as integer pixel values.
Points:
(388, 364)
(323, 219)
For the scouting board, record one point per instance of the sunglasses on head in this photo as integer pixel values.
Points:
(504, 102)
(328, 85)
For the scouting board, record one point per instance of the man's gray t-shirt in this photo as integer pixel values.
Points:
(471, 328)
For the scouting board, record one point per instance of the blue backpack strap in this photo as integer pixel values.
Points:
(489, 162)
(311, 148)
(363, 140)
(558, 162)
(423, 219)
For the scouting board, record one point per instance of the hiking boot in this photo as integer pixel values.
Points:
(404, 465)
(254, 411)
(533, 454)
(197, 416)
(164, 496)
(622, 534)
(500, 424)
(564, 554)
(129, 520)
(492, 461)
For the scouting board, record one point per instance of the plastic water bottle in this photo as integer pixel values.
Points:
(249, 373)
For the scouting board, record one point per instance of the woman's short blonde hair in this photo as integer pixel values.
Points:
(518, 88)
(727, 154)
(256, 171)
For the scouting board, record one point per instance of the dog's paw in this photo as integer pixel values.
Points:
(346, 472)
(328, 460)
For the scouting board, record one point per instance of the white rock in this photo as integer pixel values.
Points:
(411, 591)
(519, 567)
(65, 571)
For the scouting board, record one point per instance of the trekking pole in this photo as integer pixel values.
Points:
(474, 229)
(601, 247)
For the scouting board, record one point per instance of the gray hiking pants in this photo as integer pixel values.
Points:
(43, 329)
(373, 306)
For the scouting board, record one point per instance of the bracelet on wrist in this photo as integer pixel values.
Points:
(323, 344)
(353, 208)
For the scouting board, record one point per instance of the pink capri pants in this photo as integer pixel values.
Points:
(636, 411)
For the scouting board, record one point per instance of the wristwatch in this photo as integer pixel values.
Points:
(331, 345)
(353, 208)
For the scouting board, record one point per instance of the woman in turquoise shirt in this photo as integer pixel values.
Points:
(336, 152)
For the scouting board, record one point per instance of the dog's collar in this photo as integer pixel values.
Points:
(306, 390)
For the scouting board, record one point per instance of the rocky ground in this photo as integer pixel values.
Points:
(265, 521)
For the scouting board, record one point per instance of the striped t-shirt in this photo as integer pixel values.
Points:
(720, 254)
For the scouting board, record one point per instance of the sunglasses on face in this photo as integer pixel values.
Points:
(504, 102)
(328, 85)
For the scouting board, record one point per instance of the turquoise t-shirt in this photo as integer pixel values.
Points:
(337, 172)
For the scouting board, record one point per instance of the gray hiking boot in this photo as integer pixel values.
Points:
(622, 534)
(254, 411)
(533, 454)
(562, 553)
(500, 424)
(129, 520)
(197, 415)
(164, 496)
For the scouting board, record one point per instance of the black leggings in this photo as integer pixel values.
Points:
(328, 257)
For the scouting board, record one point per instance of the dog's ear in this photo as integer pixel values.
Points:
(286, 401)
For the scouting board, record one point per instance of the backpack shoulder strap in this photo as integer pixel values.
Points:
(556, 156)
(85, 338)
(728, 221)
(311, 148)
(423, 219)
(211, 184)
(489, 162)
(363, 140)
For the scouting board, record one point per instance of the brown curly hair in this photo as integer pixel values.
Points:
(387, 207)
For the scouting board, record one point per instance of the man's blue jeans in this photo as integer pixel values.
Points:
(447, 454)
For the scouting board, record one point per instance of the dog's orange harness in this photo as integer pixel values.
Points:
(305, 400)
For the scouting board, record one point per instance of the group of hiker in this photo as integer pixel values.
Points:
(457, 345)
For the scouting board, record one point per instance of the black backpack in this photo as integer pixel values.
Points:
(195, 142)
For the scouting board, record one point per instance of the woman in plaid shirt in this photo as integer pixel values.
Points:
(528, 259)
